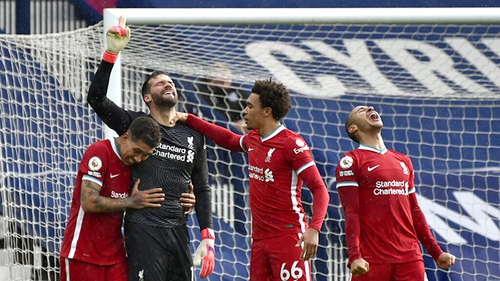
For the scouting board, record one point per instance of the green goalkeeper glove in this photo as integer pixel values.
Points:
(117, 38)
(206, 252)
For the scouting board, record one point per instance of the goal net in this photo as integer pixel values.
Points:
(431, 73)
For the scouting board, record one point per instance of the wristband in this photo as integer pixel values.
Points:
(208, 233)
(109, 56)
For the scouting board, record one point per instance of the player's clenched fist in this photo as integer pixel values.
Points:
(359, 267)
(446, 260)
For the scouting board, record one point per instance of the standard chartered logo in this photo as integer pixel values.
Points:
(393, 183)
(391, 188)
(269, 175)
(115, 194)
(190, 156)
(174, 152)
(258, 173)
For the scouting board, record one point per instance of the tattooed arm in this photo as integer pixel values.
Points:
(93, 202)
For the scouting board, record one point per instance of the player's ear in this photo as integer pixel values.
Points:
(147, 98)
(268, 111)
(124, 137)
(353, 129)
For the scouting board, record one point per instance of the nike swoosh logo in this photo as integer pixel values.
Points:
(250, 149)
(113, 176)
(372, 168)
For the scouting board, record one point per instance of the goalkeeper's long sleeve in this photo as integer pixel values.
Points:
(111, 114)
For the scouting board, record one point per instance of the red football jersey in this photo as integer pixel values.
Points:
(97, 237)
(278, 165)
(274, 163)
(384, 182)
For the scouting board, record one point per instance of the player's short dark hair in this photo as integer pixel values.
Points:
(274, 95)
(145, 86)
(348, 122)
(145, 129)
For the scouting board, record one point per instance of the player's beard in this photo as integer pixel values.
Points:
(165, 101)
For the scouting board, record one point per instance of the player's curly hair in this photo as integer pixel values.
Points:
(274, 95)
(145, 129)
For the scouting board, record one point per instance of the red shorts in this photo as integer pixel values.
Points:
(75, 270)
(278, 259)
(410, 271)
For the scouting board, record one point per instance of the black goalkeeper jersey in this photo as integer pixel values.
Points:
(178, 160)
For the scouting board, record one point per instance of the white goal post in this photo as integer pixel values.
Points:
(202, 16)
(432, 73)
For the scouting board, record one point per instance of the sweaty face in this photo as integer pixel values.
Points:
(252, 114)
(134, 152)
(163, 91)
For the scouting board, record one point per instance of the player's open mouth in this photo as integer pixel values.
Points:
(373, 116)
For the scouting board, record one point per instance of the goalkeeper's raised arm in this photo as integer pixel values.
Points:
(179, 161)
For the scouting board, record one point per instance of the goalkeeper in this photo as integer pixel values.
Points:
(157, 240)
(383, 220)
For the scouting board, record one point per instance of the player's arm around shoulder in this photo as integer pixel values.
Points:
(92, 202)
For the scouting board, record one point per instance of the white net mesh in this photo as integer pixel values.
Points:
(436, 87)
(45, 127)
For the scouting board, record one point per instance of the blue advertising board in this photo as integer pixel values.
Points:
(437, 90)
